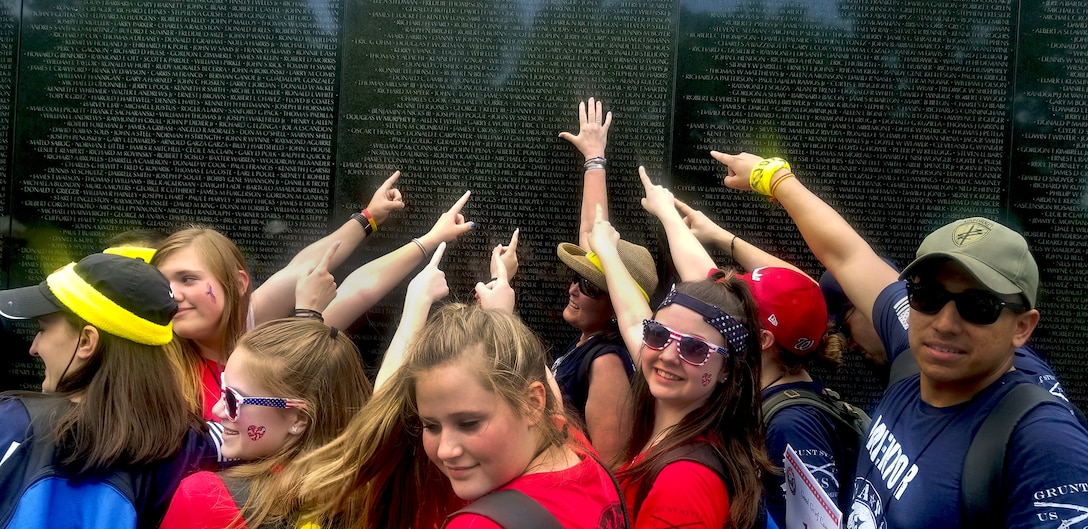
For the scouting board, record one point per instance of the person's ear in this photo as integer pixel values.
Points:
(1025, 325)
(88, 342)
(538, 401)
(243, 282)
(766, 340)
(301, 422)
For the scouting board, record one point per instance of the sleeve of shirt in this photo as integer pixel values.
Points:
(890, 312)
(201, 502)
(1046, 471)
(685, 494)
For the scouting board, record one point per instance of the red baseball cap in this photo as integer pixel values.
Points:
(791, 306)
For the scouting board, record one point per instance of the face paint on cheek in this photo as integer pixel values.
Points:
(255, 432)
(210, 292)
(706, 379)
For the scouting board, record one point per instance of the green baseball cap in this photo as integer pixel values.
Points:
(995, 255)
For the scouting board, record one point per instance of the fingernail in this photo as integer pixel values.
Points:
(472, 225)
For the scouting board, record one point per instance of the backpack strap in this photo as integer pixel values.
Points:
(798, 397)
(984, 465)
(903, 367)
(510, 508)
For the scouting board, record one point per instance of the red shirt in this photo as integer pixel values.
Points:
(210, 373)
(685, 494)
(582, 496)
(202, 502)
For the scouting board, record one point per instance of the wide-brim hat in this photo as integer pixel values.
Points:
(637, 259)
(122, 296)
(992, 253)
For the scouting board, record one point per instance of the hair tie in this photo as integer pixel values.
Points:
(333, 331)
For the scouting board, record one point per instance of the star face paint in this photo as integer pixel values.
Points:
(255, 432)
(210, 292)
(706, 379)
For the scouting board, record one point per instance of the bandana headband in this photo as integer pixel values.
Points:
(732, 330)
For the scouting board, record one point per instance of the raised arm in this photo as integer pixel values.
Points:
(690, 258)
(275, 297)
(591, 141)
(627, 299)
(428, 286)
(860, 271)
(747, 255)
(368, 284)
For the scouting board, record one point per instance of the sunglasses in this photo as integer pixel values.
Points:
(587, 287)
(692, 350)
(974, 306)
(233, 401)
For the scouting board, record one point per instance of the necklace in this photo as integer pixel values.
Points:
(780, 377)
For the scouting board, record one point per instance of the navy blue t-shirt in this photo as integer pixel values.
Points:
(910, 470)
(811, 433)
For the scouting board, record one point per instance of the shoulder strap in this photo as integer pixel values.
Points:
(510, 508)
(238, 489)
(903, 367)
(798, 396)
(984, 465)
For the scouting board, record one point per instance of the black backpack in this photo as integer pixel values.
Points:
(851, 427)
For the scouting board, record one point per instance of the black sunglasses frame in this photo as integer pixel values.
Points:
(974, 306)
(586, 287)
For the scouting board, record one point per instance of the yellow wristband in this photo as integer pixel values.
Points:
(762, 173)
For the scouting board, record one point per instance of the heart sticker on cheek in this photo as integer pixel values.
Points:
(256, 432)
(706, 381)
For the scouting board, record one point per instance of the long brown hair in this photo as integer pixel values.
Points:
(128, 410)
(299, 359)
(730, 419)
(224, 260)
(376, 474)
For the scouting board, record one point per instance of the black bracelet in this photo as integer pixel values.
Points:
(309, 313)
(361, 219)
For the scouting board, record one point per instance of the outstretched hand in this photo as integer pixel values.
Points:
(659, 200)
(604, 237)
(317, 288)
(497, 294)
(698, 223)
(429, 285)
(740, 168)
(386, 199)
(592, 133)
(452, 224)
(508, 255)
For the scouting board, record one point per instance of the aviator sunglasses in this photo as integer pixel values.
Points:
(974, 306)
(692, 350)
(587, 287)
(233, 401)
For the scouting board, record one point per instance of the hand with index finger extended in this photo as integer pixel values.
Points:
(508, 255)
(604, 237)
(452, 224)
(317, 288)
(699, 224)
(740, 168)
(658, 200)
(496, 294)
(386, 199)
(430, 283)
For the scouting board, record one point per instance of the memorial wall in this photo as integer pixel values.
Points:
(273, 120)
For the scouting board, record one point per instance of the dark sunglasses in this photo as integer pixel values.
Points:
(233, 401)
(587, 287)
(692, 350)
(974, 306)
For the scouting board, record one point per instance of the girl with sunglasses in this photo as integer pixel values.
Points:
(289, 387)
(594, 371)
(463, 411)
(695, 456)
(105, 443)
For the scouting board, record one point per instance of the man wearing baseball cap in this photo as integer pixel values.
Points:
(967, 315)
